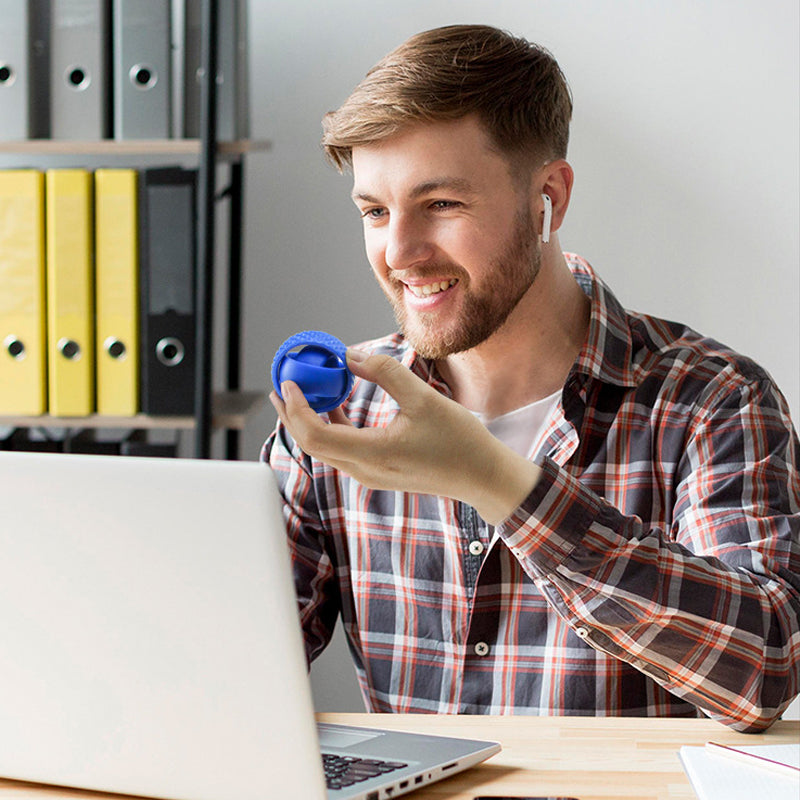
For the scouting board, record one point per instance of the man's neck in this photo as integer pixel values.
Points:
(530, 356)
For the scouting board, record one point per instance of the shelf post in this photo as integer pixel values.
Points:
(204, 295)
(236, 211)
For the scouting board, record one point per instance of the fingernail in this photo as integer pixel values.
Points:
(353, 354)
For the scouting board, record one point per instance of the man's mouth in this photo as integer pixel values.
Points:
(427, 289)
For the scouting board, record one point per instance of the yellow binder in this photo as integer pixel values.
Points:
(116, 292)
(70, 291)
(23, 388)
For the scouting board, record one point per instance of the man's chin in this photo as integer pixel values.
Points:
(432, 341)
(433, 345)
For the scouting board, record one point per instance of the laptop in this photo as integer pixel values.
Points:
(151, 643)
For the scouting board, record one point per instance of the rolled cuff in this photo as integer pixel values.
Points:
(552, 520)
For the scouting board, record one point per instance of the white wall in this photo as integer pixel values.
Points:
(684, 143)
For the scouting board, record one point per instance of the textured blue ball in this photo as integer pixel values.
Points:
(317, 363)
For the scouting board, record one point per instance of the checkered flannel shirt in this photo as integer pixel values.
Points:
(654, 569)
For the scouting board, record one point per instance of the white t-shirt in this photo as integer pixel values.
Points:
(521, 428)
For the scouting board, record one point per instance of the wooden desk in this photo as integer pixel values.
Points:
(584, 757)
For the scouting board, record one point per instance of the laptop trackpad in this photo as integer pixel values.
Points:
(339, 737)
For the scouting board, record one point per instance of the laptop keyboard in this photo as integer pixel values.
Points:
(341, 771)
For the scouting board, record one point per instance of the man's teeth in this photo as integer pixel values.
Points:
(431, 288)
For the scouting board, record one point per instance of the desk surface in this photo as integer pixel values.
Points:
(585, 757)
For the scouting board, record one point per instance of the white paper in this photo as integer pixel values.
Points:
(715, 777)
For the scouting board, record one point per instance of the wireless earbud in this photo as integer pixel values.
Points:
(548, 218)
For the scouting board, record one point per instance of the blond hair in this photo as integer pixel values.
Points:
(515, 88)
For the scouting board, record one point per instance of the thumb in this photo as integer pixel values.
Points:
(388, 373)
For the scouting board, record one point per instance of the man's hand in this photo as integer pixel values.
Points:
(433, 445)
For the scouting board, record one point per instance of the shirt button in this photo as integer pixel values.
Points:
(481, 649)
(475, 547)
(582, 632)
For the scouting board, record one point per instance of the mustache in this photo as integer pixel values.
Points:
(435, 271)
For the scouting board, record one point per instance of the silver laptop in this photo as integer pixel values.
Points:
(150, 642)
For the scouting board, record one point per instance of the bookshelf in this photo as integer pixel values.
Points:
(229, 408)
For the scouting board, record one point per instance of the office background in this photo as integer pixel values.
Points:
(685, 149)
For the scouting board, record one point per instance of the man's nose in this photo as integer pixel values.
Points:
(408, 243)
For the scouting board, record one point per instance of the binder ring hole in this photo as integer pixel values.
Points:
(69, 348)
(7, 74)
(170, 351)
(77, 78)
(115, 348)
(143, 76)
(14, 347)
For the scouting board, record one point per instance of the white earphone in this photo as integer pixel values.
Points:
(548, 217)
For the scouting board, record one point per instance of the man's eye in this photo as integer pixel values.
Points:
(373, 213)
(442, 205)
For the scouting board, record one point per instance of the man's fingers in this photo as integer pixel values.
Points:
(388, 373)
(338, 417)
(330, 443)
(401, 454)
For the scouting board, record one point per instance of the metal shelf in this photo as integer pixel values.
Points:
(130, 147)
(230, 411)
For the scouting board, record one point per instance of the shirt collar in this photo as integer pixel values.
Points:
(607, 352)
(423, 368)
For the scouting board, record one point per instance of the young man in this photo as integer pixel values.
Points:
(533, 501)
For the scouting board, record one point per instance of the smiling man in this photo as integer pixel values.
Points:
(534, 501)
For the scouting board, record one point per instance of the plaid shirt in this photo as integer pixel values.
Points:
(654, 569)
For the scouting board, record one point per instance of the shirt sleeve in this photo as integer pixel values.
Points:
(709, 608)
(314, 572)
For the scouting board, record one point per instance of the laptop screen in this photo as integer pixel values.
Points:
(149, 627)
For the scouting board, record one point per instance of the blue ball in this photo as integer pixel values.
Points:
(317, 363)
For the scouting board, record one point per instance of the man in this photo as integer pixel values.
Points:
(533, 501)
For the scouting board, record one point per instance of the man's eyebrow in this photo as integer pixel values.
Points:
(439, 184)
(461, 185)
(367, 198)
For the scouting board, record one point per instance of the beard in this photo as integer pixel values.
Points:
(484, 311)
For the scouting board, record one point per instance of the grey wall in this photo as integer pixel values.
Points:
(684, 144)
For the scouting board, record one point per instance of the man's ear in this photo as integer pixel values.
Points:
(554, 180)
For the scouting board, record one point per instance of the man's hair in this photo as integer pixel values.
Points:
(514, 87)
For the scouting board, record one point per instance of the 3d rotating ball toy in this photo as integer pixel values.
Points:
(317, 363)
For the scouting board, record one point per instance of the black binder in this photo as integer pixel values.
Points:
(167, 258)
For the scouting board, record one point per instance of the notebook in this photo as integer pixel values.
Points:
(151, 644)
(717, 777)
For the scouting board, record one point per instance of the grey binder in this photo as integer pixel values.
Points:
(23, 69)
(80, 82)
(142, 67)
(233, 119)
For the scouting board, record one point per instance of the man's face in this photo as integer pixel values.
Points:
(450, 238)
